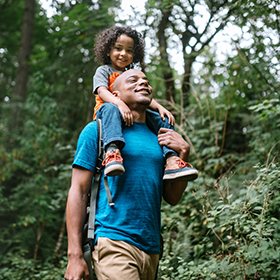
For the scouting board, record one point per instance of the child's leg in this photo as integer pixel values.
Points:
(113, 140)
(175, 169)
(155, 122)
(112, 120)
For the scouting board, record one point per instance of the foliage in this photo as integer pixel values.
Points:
(234, 235)
(36, 157)
(18, 268)
(226, 225)
(35, 178)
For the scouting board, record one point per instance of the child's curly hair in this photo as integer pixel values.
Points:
(107, 38)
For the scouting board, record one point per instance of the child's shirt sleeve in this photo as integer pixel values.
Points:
(100, 78)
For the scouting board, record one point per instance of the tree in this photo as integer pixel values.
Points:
(35, 162)
(228, 216)
(11, 23)
(193, 25)
(25, 51)
(163, 46)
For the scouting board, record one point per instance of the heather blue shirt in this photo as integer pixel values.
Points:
(137, 194)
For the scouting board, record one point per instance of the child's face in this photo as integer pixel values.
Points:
(121, 53)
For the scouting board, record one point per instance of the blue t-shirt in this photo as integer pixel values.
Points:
(137, 194)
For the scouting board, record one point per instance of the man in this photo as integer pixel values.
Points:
(127, 234)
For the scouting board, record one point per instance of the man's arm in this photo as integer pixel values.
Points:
(75, 218)
(172, 192)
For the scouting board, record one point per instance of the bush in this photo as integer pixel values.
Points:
(234, 236)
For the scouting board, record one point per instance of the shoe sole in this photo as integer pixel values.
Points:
(188, 175)
(114, 170)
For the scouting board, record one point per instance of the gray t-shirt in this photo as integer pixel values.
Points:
(101, 76)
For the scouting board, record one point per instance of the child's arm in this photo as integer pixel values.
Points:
(107, 97)
(155, 106)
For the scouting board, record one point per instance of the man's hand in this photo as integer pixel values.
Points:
(173, 140)
(76, 269)
(126, 112)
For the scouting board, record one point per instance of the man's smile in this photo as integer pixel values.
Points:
(144, 90)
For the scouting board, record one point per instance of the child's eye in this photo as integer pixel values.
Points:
(130, 51)
(118, 48)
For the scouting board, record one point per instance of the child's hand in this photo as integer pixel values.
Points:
(163, 112)
(126, 113)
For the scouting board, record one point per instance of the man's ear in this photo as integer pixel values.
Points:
(116, 93)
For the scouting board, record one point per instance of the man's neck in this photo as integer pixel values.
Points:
(139, 116)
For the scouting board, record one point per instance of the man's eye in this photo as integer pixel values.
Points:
(132, 80)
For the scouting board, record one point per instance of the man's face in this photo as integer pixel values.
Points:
(134, 89)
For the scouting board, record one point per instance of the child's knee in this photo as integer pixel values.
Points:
(109, 106)
(105, 108)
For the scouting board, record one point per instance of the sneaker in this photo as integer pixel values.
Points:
(113, 163)
(178, 170)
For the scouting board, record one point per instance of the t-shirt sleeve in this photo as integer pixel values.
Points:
(87, 148)
(100, 78)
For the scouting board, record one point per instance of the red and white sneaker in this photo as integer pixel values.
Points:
(113, 163)
(178, 170)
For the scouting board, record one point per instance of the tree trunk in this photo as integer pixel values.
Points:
(61, 234)
(186, 88)
(39, 235)
(23, 63)
(167, 70)
(25, 51)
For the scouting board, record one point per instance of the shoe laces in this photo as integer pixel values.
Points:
(114, 156)
(183, 164)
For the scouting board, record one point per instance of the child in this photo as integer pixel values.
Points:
(119, 48)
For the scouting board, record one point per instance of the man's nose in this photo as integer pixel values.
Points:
(143, 82)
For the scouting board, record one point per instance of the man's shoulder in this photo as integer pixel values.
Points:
(86, 152)
(90, 125)
(89, 131)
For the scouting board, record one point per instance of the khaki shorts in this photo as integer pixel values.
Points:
(118, 260)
